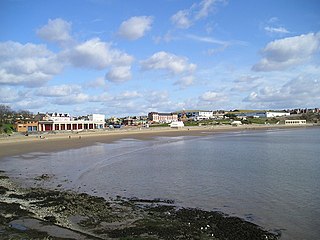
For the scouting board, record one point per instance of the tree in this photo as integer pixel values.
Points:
(230, 115)
(310, 117)
(25, 113)
(5, 111)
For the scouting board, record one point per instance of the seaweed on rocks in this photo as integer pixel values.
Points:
(12, 210)
(51, 219)
(167, 222)
(3, 190)
(156, 200)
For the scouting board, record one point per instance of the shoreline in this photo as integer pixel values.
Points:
(39, 213)
(59, 141)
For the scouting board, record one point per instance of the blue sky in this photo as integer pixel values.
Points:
(127, 57)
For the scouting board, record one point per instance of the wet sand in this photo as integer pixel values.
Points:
(49, 142)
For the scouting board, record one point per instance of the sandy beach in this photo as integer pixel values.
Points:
(48, 142)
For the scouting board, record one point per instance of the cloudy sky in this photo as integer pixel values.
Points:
(124, 57)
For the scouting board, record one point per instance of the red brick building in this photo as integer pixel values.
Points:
(162, 117)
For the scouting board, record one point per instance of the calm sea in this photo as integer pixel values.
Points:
(271, 177)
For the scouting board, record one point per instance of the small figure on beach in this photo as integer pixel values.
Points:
(69, 136)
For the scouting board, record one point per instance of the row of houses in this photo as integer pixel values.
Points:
(202, 115)
(157, 117)
(64, 122)
(304, 110)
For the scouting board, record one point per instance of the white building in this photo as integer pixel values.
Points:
(295, 122)
(277, 114)
(200, 115)
(266, 114)
(57, 117)
(63, 122)
(97, 118)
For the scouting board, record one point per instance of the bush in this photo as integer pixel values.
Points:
(6, 128)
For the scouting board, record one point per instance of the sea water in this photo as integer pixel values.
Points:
(269, 177)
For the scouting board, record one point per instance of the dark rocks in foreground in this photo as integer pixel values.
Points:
(120, 218)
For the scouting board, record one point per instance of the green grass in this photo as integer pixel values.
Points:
(159, 125)
(191, 123)
(6, 128)
(260, 121)
(206, 122)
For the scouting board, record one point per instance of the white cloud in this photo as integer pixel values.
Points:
(304, 86)
(169, 62)
(276, 29)
(181, 20)
(185, 81)
(19, 99)
(72, 99)
(301, 91)
(135, 27)
(168, 37)
(223, 45)
(8, 95)
(96, 54)
(58, 90)
(104, 97)
(57, 31)
(207, 39)
(246, 83)
(247, 79)
(128, 95)
(116, 100)
(33, 65)
(157, 96)
(273, 20)
(29, 65)
(119, 74)
(287, 52)
(213, 51)
(211, 96)
(273, 27)
(99, 55)
(205, 7)
(187, 17)
(159, 100)
(29, 103)
(97, 83)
